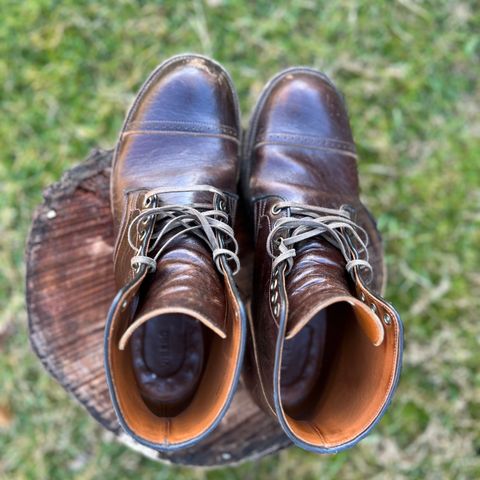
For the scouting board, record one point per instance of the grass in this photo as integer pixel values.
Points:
(409, 71)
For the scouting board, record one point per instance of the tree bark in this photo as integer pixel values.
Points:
(69, 289)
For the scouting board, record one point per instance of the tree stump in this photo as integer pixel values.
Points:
(69, 288)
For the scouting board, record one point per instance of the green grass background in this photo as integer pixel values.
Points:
(409, 70)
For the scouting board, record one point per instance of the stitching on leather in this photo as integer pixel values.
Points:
(341, 198)
(263, 209)
(231, 196)
(225, 316)
(167, 431)
(310, 147)
(121, 232)
(257, 365)
(232, 205)
(159, 125)
(259, 206)
(179, 132)
(255, 217)
(307, 140)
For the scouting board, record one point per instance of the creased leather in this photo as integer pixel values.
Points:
(182, 131)
(300, 149)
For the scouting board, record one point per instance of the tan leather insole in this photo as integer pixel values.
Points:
(168, 358)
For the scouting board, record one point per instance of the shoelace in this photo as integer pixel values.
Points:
(158, 225)
(308, 221)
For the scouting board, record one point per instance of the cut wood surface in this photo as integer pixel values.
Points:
(69, 289)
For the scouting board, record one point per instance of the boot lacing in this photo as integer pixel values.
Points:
(307, 221)
(158, 225)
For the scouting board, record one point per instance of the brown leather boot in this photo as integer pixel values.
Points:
(175, 331)
(326, 351)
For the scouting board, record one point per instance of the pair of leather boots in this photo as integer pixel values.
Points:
(323, 349)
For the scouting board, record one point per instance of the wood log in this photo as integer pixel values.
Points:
(69, 288)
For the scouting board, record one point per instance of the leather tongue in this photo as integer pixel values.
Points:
(318, 279)
(186, 282)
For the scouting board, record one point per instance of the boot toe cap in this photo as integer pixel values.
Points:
(304, 103)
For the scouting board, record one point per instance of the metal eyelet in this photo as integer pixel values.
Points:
(274, 284)
(142, 234)
(275, 210)
(362, 296)
(147, 201)
(124, 305)
(276, 309)
(373, 308)
(222, 205)
(387, 319)
(350, 209)
(278, 241)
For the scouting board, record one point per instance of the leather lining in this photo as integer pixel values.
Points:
(207, 402)
(355, 384)
(300, 149)
(181, 132)
(369, 322)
